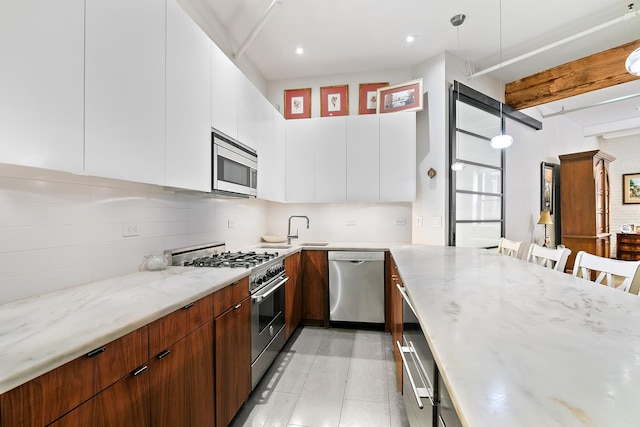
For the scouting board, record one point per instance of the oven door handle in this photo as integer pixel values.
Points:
(259, 297)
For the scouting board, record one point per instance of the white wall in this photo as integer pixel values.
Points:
(625, 150)
(59, 230)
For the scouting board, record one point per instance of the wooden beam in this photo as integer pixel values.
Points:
(593, 72)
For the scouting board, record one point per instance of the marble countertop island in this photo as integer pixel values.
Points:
(521, 345)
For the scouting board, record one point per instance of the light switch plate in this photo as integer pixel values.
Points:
(436, 221)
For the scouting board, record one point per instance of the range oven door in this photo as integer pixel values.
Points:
(235, 168)
(267, 326)
(418, 369)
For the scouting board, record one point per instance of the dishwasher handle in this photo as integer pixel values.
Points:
(356, 257)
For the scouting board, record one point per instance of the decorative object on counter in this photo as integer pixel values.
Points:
(431, 173)
(545, 219)
(368, 97)
(546, 186)
(587, 265)
(403, 97)
(631, 188)
(627, 228)
(297, 103)
(154, 263)
(271, 238)
(334, 101)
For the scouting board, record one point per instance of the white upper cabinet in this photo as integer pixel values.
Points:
(42, 83)
(363, 158)
(188, 126)
(398, 157)
(271, 161)
(224, 93)
(330, 149)
(299, 160)
(125, 90)
(251, 120)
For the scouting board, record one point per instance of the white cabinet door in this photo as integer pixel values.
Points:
(299, 160)
(398, 157)
(42, 83)
(125, 90)
(188, 124)
(224, 93)
(363, 158)
(330, 152)
(271, 161)
(250, 112)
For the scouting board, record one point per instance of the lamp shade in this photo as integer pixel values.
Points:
(633, 63)
(545, 218)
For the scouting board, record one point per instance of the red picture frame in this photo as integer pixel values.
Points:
(334, 101)
(368, 97)
(403, 97)
(297, 103)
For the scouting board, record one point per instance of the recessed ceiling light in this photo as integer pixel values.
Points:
(410, 39)
(300, 50)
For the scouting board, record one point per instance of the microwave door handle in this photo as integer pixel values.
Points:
(260, 297)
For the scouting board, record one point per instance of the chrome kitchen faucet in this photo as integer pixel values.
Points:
(295, 236)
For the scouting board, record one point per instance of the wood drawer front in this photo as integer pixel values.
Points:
(629, 256)
(625, 238)
(230, 295)
(628, 248)
(171, 328)
(44, 399)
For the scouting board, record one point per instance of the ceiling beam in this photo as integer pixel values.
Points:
(584, 75)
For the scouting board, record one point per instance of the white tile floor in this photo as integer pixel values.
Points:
(328, 378)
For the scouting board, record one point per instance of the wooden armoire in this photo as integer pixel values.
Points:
(584, 203)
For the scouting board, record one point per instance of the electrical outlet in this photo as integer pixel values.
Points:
(231, 223)
(350, 222)
(130, 230)
(436, 221)
(420, 221)
(401, 221)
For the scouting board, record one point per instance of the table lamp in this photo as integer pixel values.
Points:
(545, 219)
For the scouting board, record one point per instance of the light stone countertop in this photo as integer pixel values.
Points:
(521, 345)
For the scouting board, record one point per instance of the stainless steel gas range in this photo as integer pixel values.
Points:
(266, 284)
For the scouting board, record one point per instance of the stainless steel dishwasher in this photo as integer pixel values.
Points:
(356, 286)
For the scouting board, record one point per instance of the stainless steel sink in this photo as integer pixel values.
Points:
(274, 246)
(313, 244)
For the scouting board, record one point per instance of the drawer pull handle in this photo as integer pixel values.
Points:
(139, 370)
(96, 352)
(163, 354)
(235, 283)
(188, 306)
(237, 306)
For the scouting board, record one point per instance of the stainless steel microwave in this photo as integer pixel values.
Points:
(235, 168)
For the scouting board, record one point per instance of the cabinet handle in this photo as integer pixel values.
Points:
(163, 354)
(96, 352)
(441, 421)
(421, 392)
(235, 283)
(188, 306)
(140, 370)
(237, 306)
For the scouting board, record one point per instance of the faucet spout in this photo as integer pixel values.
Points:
(295, 236)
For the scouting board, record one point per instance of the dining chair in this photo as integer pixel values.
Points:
(509, 247)
(623, 275)
(555, 259)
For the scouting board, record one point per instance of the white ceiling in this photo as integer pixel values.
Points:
(343, 36)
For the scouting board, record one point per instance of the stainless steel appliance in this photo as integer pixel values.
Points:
(356, 287)
(266, 285)
(235, 168)
(418, 369)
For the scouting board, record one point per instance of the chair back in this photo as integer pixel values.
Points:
(555, 259)
(623, 275)
(509, 247)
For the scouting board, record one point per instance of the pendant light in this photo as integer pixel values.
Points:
(502, 140)
(456, 21)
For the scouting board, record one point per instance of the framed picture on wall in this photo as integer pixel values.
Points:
(546, 186)
(631, 188)
(403, 97)
(297, 103)
(334, 101)
(368, 97)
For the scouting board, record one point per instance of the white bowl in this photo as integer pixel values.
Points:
(274, 239)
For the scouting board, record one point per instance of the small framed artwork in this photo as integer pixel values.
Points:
(403, 97)
(368, 97)
(546, 186)
(297, 103)
(334, 101)
(631, 188)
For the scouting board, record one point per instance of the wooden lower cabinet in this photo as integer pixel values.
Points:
(232, 361)
(628, 246)
(315, 288)
(395, 311)
(182, 382)
(125, 403)
(293, 294)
